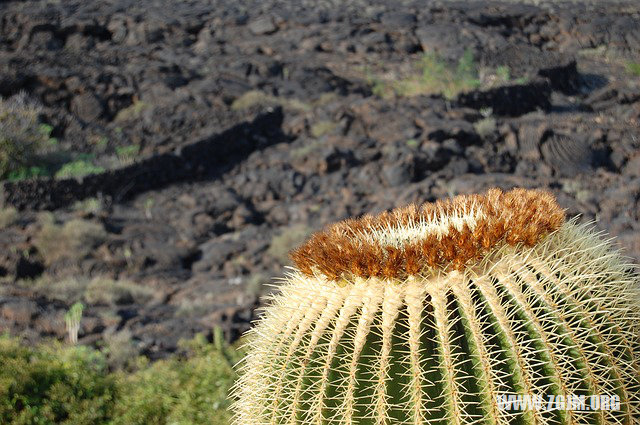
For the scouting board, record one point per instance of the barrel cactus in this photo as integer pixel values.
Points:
(430, 314)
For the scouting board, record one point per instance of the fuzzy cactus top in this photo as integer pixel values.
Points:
(411, 240)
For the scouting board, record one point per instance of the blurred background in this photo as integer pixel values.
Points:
(159, 159)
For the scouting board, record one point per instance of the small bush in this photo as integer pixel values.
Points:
(22, 137)
(73, 240)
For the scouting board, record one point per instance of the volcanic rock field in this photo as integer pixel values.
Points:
(224, 132)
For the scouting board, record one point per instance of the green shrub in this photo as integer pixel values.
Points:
(175, 391)
(54, 385)
(22, 137)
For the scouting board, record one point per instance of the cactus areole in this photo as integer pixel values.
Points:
(436, 314)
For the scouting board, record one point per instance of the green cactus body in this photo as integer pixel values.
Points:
(435, 311)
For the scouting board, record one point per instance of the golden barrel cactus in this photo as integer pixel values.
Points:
(432, 314)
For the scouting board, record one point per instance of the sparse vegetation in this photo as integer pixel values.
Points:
(503, 73)
(32, 172)
(57, 384)
(413, 143)
(27, 149)
(307, 149)
(435, 76)
(72, 241)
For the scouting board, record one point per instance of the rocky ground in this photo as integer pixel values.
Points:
(230, 130)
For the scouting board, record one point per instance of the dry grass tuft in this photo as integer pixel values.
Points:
(71, 241)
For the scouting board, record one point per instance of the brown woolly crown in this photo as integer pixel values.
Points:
(445, 234)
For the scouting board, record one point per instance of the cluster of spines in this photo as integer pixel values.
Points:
(558, 318)
(456, 231)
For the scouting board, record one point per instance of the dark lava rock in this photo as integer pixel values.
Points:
(263, 25)
(28, 268)
(513, 100)
(563, 77)
(218, 184)
(189, 162)
(398, 174)
(445, 39)
(567, 155)
(87, 107)
(398, 19)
